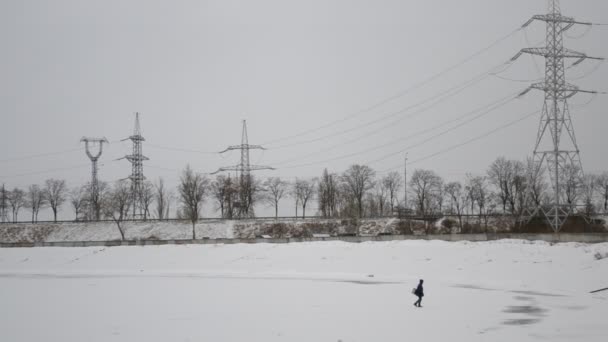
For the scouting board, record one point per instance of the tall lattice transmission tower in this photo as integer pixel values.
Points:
(137, 169)
(556, 151)
(94, 186)
(243, 170)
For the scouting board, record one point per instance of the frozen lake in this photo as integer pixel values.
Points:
(329, 291)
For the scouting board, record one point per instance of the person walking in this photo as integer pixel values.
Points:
(420, 293)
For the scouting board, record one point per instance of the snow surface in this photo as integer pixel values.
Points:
(507, 290)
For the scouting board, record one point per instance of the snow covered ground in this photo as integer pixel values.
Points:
(506, 290)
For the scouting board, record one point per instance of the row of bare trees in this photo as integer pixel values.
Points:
(354, 193)
(52, 195)
(87, 203)
(506, 188)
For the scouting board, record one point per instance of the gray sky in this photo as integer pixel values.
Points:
(195, 69)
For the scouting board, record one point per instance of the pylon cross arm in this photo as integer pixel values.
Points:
(552, 18)
(241, 147)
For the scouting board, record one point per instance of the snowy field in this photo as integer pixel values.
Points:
(327, 291)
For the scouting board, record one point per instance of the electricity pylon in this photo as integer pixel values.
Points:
(556, 150)
(243, 170)
(94, 186)
(137, 169)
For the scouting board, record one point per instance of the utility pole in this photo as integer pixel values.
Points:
(94, 186)
(137, 169)
(243, 170)
(556, 150)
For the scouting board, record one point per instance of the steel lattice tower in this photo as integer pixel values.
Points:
(137, 169)
(94, 186)
(556, 151)
(244, 168)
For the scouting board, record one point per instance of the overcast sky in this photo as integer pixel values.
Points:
(195, 69)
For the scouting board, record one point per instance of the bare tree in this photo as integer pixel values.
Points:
(371, 207)
(603, 189)
(392, 182)
(78, 198)
(572, 184)
(55, 191)
(162, 198)
(116, 204)
(147, 197)
(94, 201)
(520, 189)
(439, 197)
(327, 194)
(16, 199)
(303, 190)
(500, 174)
(275, 190)
(359, 179)
(458, 199)
(192, 191)
(425, 184)
(480, 195)
(589, 187)
(535, 184)
(35, 200)
(218, 191)
(226, 193)
(249, 189)
(380, 196)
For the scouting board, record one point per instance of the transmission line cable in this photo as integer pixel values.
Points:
(418, 133)
(179, 149)
(33, 156)
(491, 109)
(464, 143)
(434, 100)
(52, 170)
(420, 143)
(397, 95)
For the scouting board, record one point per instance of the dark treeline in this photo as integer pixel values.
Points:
(357, 192)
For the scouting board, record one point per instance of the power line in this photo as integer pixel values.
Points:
(465, 142)
(511, 96)
(399, 94)
(50, 170)
(449, 130)
(176, 149)
(40, 155)
(441, 97)
(491, 109)
(173, 170)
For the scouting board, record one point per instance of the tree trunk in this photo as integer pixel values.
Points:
(54, 214)
(276, 210)
(304, 211)
(193, 230)
(460, 221)
(122, 234)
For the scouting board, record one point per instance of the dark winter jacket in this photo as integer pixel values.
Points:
(419, 291)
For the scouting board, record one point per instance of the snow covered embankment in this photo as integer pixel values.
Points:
(107, 231)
